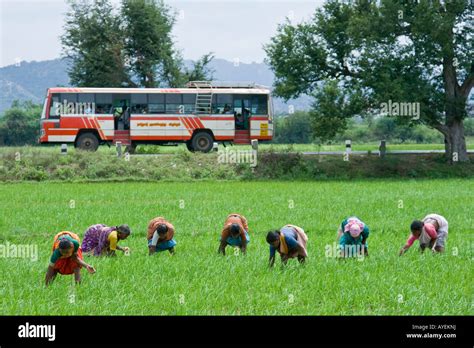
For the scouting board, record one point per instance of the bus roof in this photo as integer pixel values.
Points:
(158, 90)
(224, 84)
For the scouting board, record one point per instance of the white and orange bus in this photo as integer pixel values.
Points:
(198, 115)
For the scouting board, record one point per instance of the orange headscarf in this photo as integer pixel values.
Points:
(234, 219)
(154, 224)
(57, 238)
(60, 234)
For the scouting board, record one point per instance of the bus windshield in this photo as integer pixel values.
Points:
(45, 104)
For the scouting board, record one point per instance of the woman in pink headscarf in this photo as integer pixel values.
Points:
(352, 237)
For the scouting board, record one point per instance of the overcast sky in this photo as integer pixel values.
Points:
(232, 29)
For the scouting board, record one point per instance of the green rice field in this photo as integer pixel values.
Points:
(198, 281)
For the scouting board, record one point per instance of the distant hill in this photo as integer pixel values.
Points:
(29, 80)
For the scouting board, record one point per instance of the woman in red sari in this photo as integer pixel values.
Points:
(66, 257)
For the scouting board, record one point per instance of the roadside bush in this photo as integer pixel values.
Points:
(65, 172)
(33, 174)
(469, 126)
(20, 124)
(288, 165)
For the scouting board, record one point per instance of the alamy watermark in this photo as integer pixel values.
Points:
(400, 109)
(231, 156)
(19, 251)
(37, 331)
(75, 108)
(335, 251)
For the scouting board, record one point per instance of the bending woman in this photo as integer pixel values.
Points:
(66, 258)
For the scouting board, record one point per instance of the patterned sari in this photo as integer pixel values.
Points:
(96, 239)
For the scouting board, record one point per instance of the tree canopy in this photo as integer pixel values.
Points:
(354, 57)
(20, 124)
(129, 46)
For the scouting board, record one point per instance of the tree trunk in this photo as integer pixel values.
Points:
(455, 142)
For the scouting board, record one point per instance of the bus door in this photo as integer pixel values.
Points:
(242, 112)
(121, 111)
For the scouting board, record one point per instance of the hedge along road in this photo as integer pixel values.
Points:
(308, 153)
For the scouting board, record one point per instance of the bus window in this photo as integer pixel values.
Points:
(173, 102)
(189, 102)
(139, 104)
(238, 113)
(86, 103)
(222, 104)
(54, 107)
(259, 104)
(68, 104)
(103, 103)
(156, 103)
(85, 98)
(68, 98)
(270, 113)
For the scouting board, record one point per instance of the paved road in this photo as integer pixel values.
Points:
(340, 153)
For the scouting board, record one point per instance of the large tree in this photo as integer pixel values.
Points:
(93, 41)
(354, 56)
(127, 46)
(149, 43)
(200, 70)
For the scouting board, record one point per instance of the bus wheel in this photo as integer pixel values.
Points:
(202, 141)
(189, 146)
(87, 141)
